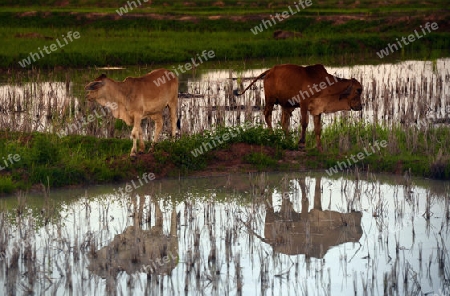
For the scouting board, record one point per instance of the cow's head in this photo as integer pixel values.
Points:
(353, 95)
(94, 87)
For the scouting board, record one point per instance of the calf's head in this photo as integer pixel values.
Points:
(96, 88)
(353, 95)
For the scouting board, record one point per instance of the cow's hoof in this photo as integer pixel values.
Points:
(133, 155)
(141, 152)
(151, 149)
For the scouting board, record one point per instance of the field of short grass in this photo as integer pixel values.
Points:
(344, 33)
(81, 160)
(166, 36)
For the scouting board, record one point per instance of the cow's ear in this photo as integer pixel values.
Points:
(346, 92)
(94, 85)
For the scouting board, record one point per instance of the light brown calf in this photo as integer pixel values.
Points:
(139, 98)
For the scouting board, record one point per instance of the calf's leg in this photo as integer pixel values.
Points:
(304, 122)
(173, 118)
(141, 140)
(136, 133)
(158, 118)
(318, 130)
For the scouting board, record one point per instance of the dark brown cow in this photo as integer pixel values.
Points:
(312, 89)
(310, 232)
(139, 98)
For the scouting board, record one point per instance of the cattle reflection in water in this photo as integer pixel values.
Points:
(311, 233)
(137, 250)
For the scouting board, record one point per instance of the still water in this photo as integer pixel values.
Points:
(408, 92)
(300, 233)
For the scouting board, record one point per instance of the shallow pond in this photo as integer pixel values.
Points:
(252, 234)
(409, 92)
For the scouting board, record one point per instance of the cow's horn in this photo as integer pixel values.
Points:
(347, 91)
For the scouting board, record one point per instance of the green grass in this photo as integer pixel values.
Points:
(107, 41)
(127, 47)
(7, 185)
(421, 151)
(49, 160)
(76, 160)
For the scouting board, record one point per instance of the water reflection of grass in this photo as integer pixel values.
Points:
(55, 162)
(221, 245)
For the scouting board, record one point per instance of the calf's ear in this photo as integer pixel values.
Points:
(94, 85)
(346, 92)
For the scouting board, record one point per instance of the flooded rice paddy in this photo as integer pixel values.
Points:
(410, 92)
(254, 234)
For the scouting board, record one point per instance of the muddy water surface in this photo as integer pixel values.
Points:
(252, 234)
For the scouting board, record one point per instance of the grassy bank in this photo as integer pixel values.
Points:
(176, 33)
(81, 160)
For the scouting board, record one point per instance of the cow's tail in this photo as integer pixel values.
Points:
(237, 93)
(179, 112)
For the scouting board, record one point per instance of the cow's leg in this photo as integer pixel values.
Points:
(141, 140)
(318, 130)
(158, 118)
(173, 118)
(304, 122)
(136, 133)
(285, 118)
(268, 115)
